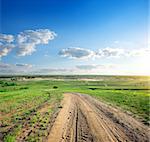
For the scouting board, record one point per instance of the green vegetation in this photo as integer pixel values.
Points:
(21, 106)
(31, 103)
(9, 138)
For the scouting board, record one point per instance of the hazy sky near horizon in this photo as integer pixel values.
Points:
(74, 37)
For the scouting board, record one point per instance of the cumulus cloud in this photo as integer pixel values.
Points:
(6, 38)
(94, 66)
(17, 65)
(6, 44)
(110, 52)
(25, 42)
(120, 52)
(80, 53)
(29, 39)
(88, 67)
(12, 69)
(76, 53)
(5, 49)
(53, 71)
(139, 52)
(22, 68)
(4, 65)
(23, 65)
(15, 68)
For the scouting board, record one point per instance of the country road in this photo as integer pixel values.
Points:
(85, 119)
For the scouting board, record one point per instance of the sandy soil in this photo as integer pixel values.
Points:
(84, 119)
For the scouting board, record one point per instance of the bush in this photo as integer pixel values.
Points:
(1, 82)
(22, 88)
(55, 87)
(8, 84)
(9, 138)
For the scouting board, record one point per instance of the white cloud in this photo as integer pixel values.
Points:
(25, 42)
(6, 38)
(4, 65)
(53, 71)
(29, 39)
(5, 49)
(76, 53)
(89, 67)
(139, 52)
(23, 65)
(110, 52)
(80, 53)
(15, 68)
(22, 68)
(6, 44)
(104, 69)
(17, 65)
(95, 66)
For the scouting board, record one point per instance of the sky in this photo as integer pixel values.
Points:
(106, 37)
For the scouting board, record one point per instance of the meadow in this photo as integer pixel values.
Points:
(32, 103)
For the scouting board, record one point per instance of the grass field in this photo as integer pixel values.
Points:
(27, 104)
(31, 103)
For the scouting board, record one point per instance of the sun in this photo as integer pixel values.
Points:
(144, 65)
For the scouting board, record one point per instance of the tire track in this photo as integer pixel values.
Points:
(84, 119)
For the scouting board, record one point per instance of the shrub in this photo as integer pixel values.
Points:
(8, 84)
(55, 87)
(9, 138)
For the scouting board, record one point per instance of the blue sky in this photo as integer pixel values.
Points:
(101, 34)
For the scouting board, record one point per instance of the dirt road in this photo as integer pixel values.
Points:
(84, 119)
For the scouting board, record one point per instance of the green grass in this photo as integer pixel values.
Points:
(132, 96)
(9, 138)
(21, 99)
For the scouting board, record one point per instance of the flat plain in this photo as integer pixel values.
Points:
(93, 108)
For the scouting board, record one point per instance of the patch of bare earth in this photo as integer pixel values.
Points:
(39, 128)
(84, 119)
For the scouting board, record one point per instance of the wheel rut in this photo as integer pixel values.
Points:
(84, 119)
